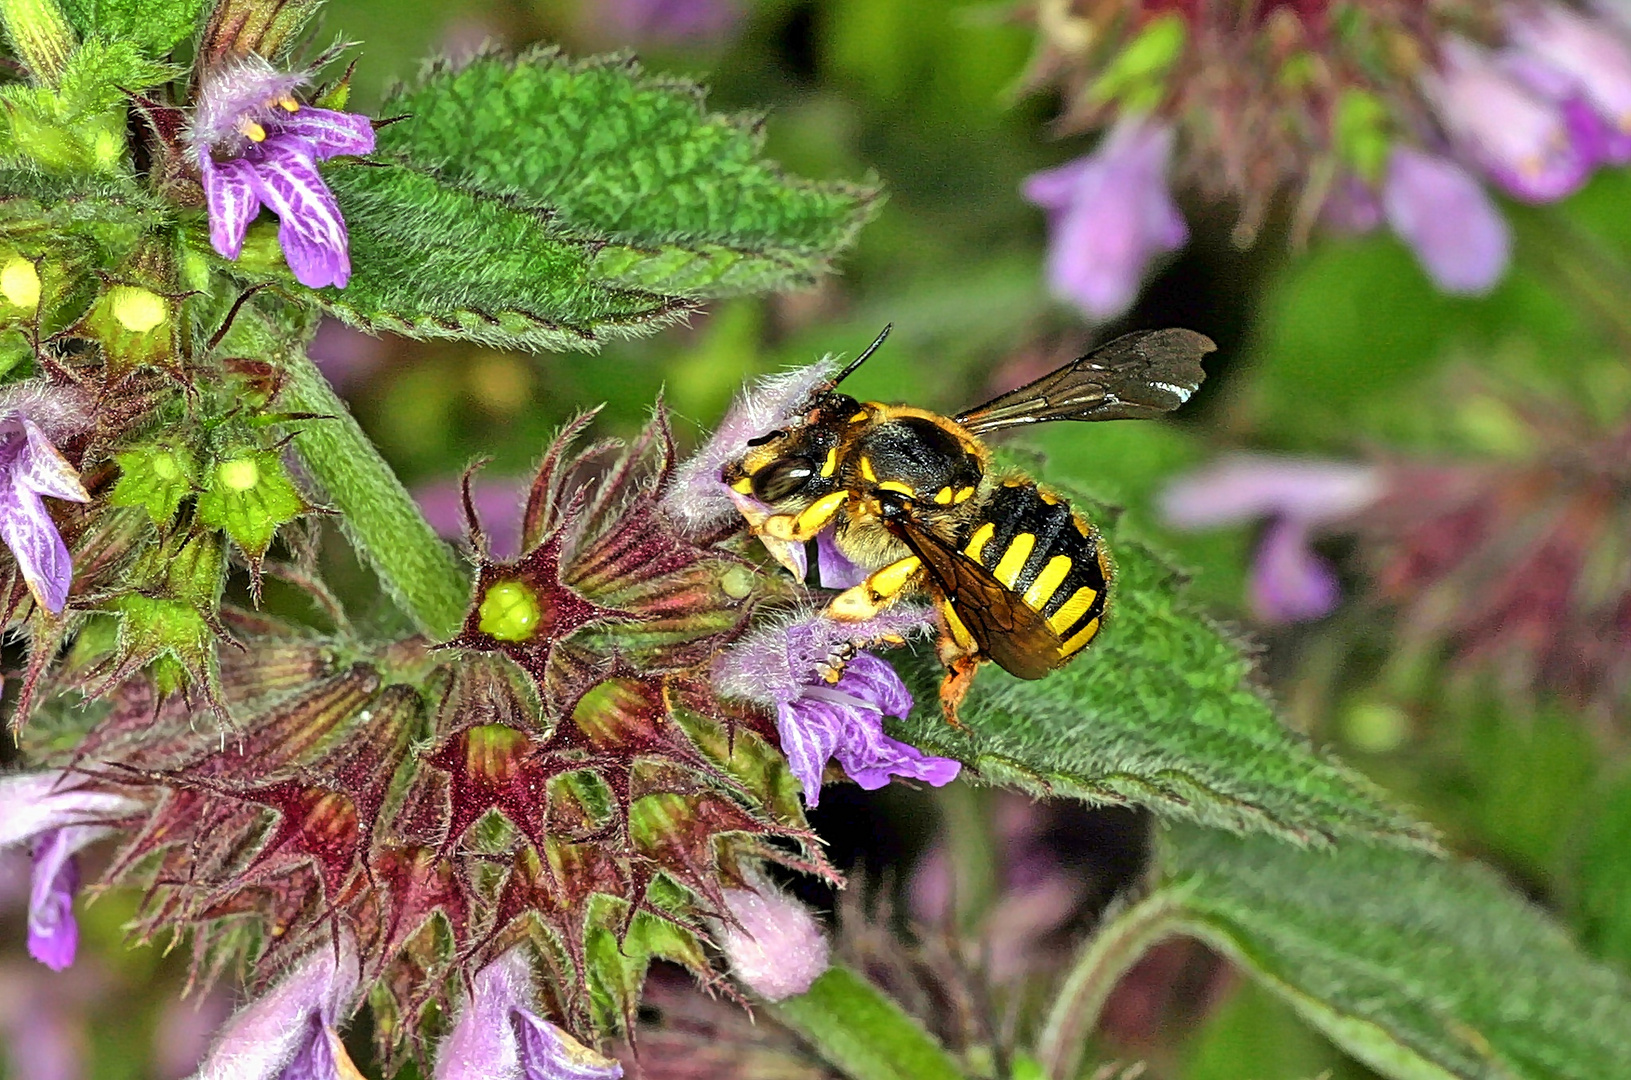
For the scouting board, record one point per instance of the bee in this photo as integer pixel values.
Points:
(910, 498)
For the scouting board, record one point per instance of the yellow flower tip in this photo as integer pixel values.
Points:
(509, 612)
(138, 310)
(20, 283)
(240, 474)
(252, 131)
(164, 467)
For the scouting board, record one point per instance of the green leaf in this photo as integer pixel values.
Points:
(153, 26)
(1161, 711)
(683, 196)
(1420, 968)
(1603, 904)
(851, 1024)
(432, 260)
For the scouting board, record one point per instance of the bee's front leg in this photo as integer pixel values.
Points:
(797, 528)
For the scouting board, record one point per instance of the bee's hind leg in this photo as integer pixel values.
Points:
(962, 662)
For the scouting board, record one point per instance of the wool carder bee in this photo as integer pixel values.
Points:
(910, 497)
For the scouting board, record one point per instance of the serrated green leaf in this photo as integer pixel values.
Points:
(1161, 711)
(683, 196)
(432, 260)
(1418, 967)
(153, 26)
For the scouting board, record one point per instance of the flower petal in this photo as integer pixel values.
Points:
(775, 946)
(548, 1053)
(482, 1044)
(1447, 219)
(53, 934)
(809, 732)
(36, 803)
(277, 1030)
(313, 234)
(43, 470)
(1289, 582)
(42, 558)
(1243, 487)
(330, 132)
(836, 571)
(229, 195)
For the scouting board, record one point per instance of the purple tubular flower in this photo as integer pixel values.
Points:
(257, 147)
(1289, 582)
(1522, 140)
(499, 504)
(782, 667)
(672, 21)
(774, 945)
(1587, 53)
(698, 499)
(289, 1032)
(1109, 214)
(1448, 220)
(32, 414)
(498, 1037)
(55, 814)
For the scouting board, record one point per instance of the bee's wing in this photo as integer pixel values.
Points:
(1136, 375)
(1006, 629)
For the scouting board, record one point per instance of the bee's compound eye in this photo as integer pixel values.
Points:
(782, 478)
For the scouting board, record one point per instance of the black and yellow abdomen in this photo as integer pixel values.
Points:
(1041, 549)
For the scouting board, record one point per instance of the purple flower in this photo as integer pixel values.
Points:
(698, 499)
(783, 667)
(1289, 582)
(57, 815)
(499, 504)
(1448, 220)
(671, 21)
(1589, 57)
(32, 414)
(288, 1033)
(774, 945)
(258, 146)
(1521, 139)
(499, 1037)
(1109, 214)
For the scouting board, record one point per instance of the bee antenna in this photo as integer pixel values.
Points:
(859, 360)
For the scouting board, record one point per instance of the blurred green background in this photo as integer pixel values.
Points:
(1341, 350)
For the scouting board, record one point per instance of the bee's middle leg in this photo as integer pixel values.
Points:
(881, 588)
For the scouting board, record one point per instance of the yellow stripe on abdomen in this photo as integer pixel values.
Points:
(1047, 582)
(1079, 642)
(1013, 560)
(1074, 609)
(976, 543)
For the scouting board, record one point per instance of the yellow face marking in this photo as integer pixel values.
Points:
(866, 471)
(977, 542)
(959, 632)
(964, 495)
(858, 417)
(1074, 609)
(820, 512)
(897, 487)
(1079, 642)
(893, 578)
(1013, 560)
(1047, 582)
(830, 466)
(252, 131)
(943, 496)
(743, 486)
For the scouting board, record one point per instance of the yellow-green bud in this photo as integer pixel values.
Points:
(20, 283)
(42, 35)
(736, 582)
(138, 310)
(509, 612)
(240, 474)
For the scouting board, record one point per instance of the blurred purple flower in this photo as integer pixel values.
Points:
(1289, 582)
(1109, 214)
(1589, 56)
(345, 356)
(32, 415)
(498, 1037)
(56, 815)
(256, 146)
(42, 1026)
(499, 501)
(783, 667)
(671, 22)
(1352, 207)
(774, 945)
(1522, 140)
(1448, 220)
(288, 1033)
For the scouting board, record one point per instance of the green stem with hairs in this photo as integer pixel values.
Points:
(862, 1032)
(422, 574)
(1109, 955)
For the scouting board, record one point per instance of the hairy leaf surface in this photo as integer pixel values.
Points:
(1161, 711)
(153, 26)
(1416, 966)
(683, 196)
(433, 260)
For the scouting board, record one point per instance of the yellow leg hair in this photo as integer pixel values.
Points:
(866, 600)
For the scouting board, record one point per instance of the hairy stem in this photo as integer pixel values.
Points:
(863, 1033)
(419, 570)
(1109, 955)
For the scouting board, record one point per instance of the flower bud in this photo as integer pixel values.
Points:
(41, 34)
(137, 310)
(20, 283)
(776, 948)
(155, 477)
(249, 496)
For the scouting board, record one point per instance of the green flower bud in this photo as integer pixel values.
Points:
(41, 34)
(248, 496)
(134, 326)
(156, 478)
(137, 310)
(509, 612)
(20, 283)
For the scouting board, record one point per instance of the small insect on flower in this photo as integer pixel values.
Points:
(911, 497)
